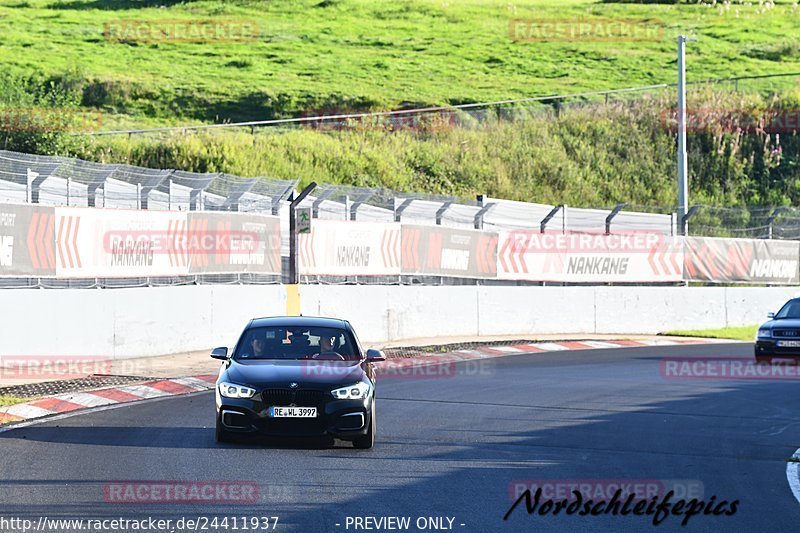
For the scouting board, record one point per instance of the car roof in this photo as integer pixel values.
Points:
(298, 321)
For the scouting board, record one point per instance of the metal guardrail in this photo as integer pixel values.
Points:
(59, 181)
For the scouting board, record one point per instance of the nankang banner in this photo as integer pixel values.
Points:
(742, 260)
(27, 246)
(338, 248)
(108, 243)
(589, 257)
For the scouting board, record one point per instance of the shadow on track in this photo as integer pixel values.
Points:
(158, 437)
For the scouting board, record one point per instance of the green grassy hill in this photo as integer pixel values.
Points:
(308, 55)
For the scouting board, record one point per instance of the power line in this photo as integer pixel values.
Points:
(434, 109)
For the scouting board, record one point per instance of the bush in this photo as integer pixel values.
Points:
(590, 155)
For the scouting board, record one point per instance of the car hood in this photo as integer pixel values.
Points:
(781, 323)
(278, 373)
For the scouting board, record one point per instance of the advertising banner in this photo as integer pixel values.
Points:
(441, 251)
(26, 241)
(232, 243)
(338, 248)
(589, 257)
(112, 243)
(79, 242)
(742, 260)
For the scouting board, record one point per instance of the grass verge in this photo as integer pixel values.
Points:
(744, 333)
(11, 400)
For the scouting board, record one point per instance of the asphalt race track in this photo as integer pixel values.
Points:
(452, 446)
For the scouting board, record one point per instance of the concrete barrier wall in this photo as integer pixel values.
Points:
(135, 322)
(123, 323)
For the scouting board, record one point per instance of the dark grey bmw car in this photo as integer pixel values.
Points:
(297, 377)
(780, 337)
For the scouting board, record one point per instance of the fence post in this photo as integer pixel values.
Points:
(294, 276)
(619, 207)
(29, 188)
(318, 202)
(479, 216)
(440, 212)
(683, 229)
(775, 212)
(278, 200)
(398, 209)
(355, 205)
(543, 223)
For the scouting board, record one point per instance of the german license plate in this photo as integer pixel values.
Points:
(293, 412)
(789, 344)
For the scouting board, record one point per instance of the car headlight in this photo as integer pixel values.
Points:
(232, 390)
(358, 391)
(762, 333)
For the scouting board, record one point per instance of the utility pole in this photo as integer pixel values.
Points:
(683, 167)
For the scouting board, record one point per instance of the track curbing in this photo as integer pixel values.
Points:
(162, 388)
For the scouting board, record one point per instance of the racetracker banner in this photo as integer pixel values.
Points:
(338, 248)
(26, 241)
(742, 260)
(140, 243)
(589, 257)
(438, 251)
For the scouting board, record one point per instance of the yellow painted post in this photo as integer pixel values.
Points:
(292, 300)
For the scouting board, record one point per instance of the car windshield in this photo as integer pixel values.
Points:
(288, 342)
(790, 310)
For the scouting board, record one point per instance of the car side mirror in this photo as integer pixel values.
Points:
(770, 315)
(375, 355)
(219, 353)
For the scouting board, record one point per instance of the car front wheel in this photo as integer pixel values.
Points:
(221, 435)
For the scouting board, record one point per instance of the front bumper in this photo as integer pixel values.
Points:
(342, 419)
(768, 347)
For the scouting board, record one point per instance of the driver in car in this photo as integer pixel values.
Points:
(256, 347)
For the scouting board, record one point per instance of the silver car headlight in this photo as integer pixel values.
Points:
(232, 390)
(763, 333)
(358, 391)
